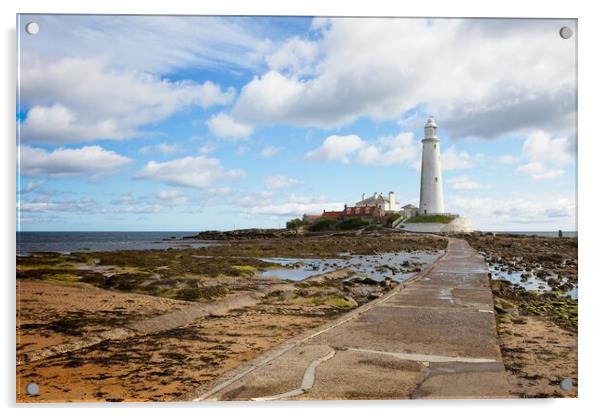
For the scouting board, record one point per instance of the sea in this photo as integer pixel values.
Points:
(67, 242)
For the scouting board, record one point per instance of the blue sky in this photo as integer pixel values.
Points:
(191, 123)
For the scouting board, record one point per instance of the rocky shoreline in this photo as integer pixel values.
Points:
(185, 316)
(537, 328)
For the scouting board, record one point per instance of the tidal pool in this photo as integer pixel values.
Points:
(398, 266)
(532, 282)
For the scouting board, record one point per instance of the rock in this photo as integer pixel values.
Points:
(387, 282)
(502, 311)
(360, 291)
(375, 295)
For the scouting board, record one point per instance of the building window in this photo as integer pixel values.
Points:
(348, 210)
(357, 211)
(435, 145)
(436, 179)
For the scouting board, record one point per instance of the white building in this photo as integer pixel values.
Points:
(409, 210)
(386, 204)
(431, 182)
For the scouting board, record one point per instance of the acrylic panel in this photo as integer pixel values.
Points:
(295, 208)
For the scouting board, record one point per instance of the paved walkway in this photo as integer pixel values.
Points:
(433, 338)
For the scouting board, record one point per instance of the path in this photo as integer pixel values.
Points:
(432, 338)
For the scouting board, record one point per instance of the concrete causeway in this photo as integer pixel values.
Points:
(433, 338)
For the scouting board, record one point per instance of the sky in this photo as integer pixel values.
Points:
(183, 123)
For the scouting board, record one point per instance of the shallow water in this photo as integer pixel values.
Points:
(68, 242)
(533, 283)
(376, 267)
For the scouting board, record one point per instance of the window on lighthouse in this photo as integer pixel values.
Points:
(436, 179)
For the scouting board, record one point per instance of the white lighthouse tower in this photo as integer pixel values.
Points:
(431, 182)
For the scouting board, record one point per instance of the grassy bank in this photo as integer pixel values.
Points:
(419, 219)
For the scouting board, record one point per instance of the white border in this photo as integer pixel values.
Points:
(590, 68)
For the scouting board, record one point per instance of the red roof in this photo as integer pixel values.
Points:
(332, 215)
(365, 211)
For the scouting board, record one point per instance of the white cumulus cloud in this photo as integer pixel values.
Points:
(195, 172)
(453, 158)
(75, 100)
(93, 161)
(480, 78)
(336, 148)
(538, 171)
(389, 150)
(224, 126)
(386, 150)
(547, 155)
(295, 56)
(541, 146)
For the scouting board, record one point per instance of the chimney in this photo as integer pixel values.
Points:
(363, 196)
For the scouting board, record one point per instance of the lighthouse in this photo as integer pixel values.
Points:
(431, 182)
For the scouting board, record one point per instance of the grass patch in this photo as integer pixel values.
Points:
(441, 219)
(196, 293)
(245, 268)
(332, 300)
(49, 262)
(339, 302)
(63, 279)
(354, 223)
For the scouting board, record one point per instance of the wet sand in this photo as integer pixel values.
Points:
(165, 365)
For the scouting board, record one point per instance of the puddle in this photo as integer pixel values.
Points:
(296, 269)
(397, 266)
(532, 283)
